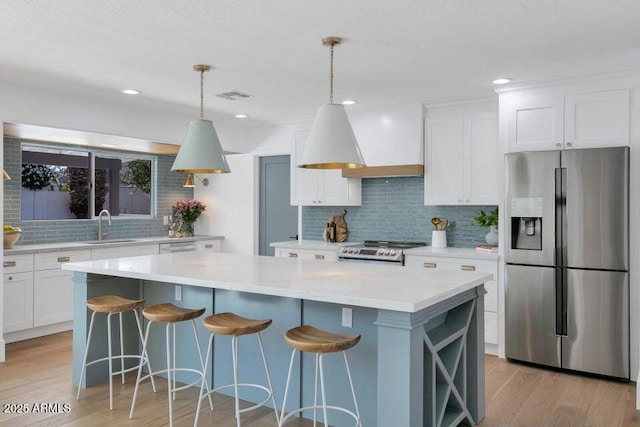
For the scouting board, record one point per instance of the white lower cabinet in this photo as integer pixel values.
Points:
(52, 297)
(469, 264)
(53, 287)
(315, 254)
(18, 301)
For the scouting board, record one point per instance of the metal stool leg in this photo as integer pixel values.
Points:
(353, 391)
(315, 393)
(86, 353)
(121, 348)
(324, 400)
(110, 361)
(144, 356)
(234, 359)
(135, 391)
(202, 364)
(169, 381)
(266, 370)
(195, 423)
(286, 388)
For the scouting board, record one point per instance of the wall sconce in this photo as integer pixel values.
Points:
(190, 183)
(5, 176)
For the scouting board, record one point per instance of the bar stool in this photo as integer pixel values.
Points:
(112, 304)
(170, 314)
(312, 340)
(236, 326)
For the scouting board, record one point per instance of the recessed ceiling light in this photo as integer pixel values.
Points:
(241, 116)
(131, 92)
(349, 102)
(501, 81)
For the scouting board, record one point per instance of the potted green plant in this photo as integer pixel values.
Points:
(490, 221)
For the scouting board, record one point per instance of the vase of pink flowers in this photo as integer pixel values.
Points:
(186, 212)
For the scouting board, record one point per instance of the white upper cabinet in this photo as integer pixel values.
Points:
(598, 119)
(318, 187)
(390, 135)
(462, 159)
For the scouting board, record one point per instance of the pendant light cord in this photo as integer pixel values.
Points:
(201, 94)
(331, 78)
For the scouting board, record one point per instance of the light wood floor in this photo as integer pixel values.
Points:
(39, 371)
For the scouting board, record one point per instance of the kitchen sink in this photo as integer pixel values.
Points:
(101, 242)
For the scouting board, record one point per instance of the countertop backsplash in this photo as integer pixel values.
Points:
(393, 209)
(168, 190)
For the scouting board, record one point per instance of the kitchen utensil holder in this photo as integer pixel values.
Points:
(439, 239)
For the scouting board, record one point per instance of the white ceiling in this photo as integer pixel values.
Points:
(395, 51)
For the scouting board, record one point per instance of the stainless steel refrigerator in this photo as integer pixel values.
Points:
(567, 259)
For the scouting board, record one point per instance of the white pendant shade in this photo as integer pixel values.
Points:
(331, 143)
(201, 151)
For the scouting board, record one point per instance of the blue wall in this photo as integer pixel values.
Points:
(168, 189)
(393, 209)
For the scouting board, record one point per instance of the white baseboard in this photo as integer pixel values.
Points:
(491, 349)
(1, 350)
(40, 331)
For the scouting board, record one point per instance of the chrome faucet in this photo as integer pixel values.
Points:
(101, 234)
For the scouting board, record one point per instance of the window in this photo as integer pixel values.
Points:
(68, 183)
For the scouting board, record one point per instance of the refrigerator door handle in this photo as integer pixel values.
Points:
(560, 215)
(561, 302)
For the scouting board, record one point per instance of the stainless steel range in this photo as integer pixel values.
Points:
(377, 250)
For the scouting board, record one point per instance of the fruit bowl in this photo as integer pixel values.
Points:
(10, 238)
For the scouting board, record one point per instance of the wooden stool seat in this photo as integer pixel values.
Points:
(232, 324)
(169, 313)
(113, 304)
(309, 339)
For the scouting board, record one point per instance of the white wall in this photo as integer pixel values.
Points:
(232, 205)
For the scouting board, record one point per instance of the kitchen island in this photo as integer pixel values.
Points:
(420, 360)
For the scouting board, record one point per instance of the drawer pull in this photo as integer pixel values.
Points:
(429, 264)
(468, 267)
(293, 255)
(319, 256)
(209, 246)
(64, 259)
(10, 278)
(9, 264)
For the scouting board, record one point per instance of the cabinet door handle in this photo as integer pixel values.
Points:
(558, 144)
(293, 255)
(209, 246)
(468, 267)
(9, 264)
(568, 144)
(319, 257)
(64, 259)
(10, 278)
(429, 264)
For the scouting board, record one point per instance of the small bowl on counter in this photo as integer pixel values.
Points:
(10, 238)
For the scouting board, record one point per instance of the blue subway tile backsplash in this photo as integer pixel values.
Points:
(393, 209)
(168, 189)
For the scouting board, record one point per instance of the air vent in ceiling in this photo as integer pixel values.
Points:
(233, 95)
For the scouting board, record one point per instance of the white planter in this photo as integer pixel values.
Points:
(492, 237)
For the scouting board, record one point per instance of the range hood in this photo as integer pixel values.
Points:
(391, 141)
(384, 171)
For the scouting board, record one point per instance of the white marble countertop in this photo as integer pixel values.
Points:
(452, 253)
(311, 244)
(61, 246)
(363, 285)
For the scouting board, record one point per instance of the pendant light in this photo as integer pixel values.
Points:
(331, 143)
(5, 176)
(201, 151)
